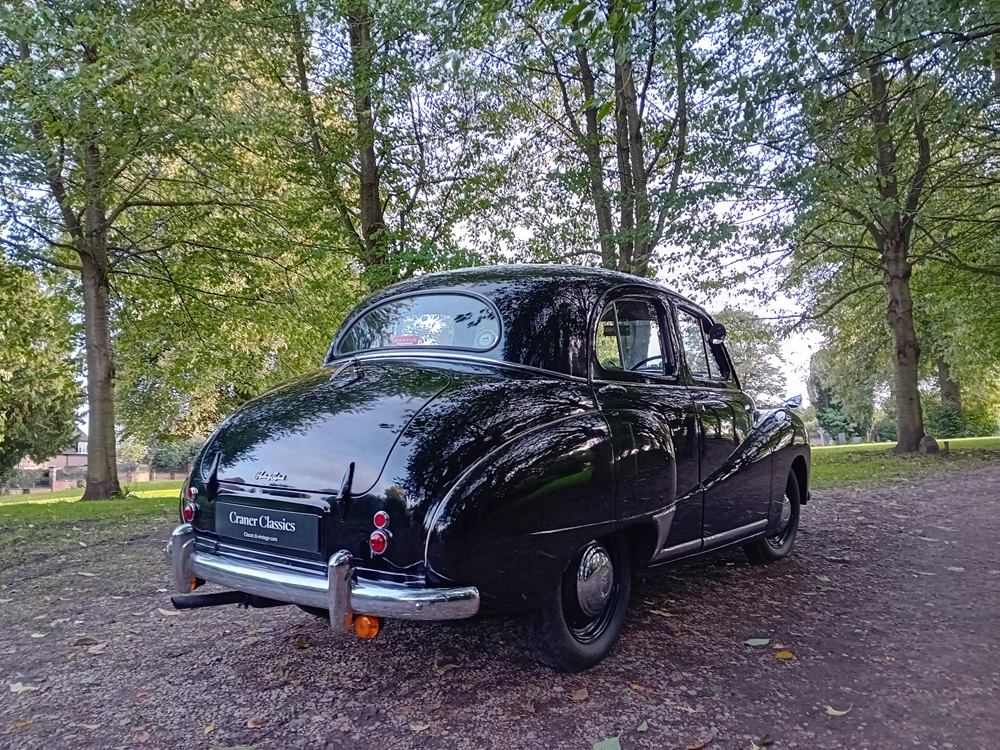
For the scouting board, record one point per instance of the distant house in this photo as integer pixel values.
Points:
(75, 456)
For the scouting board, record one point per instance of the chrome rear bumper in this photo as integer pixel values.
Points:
(340, 592)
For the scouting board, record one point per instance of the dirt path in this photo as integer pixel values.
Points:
(889, 606)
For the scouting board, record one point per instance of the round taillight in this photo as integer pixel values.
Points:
(192, 493)
(381, 519)
(378, 541)
(189, 510)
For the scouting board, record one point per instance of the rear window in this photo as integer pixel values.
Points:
(451, 321)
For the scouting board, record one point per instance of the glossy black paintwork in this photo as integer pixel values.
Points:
(495, 470)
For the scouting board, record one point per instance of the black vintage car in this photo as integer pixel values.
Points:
(511, 438)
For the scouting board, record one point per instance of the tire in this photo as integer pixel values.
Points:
(778, 545)
(580, 623)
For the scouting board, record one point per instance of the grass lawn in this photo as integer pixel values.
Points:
(141, 489)
(955, 444)
(869, 463)
(46, 526)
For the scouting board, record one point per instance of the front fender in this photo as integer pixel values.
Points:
(513, 520)
(788, 443)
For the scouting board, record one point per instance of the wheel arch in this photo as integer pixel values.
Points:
(801, 473)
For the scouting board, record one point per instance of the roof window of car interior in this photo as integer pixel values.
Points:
(628, 337)
(449, 321)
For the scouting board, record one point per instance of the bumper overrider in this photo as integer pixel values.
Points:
(340, 591)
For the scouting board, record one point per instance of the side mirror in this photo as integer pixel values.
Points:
(794, 402)
(716, 334)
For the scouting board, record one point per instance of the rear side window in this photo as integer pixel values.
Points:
(450, 321)
(629, 337)
(702, 359)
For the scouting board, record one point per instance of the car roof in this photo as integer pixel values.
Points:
(512, 273)
(545, 308)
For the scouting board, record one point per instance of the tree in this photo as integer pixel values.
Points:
(406, 149)
(879, 121)
(624, 107)
(39, 394)
(755, 348)
(119, 135)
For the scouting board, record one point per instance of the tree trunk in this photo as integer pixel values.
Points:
(906, 349)
(626, 187)
(102, 467)
(102, 462)
(951, 391)
(595, 165)
(359, 23)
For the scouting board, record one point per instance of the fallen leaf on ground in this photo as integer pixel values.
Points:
(20, 687)
(296, 682)
(209, 728)
(763, 742)
(954, 569)
(11, 650)
(642, 727)
(60, 621)
(142, 694)
(716, 688)
(404, 710)
(756, 641)
(86, 574)
(26, 722)
(91, 727)
(637, 687)
(419, 727)
(255, 722)
(834, 712)
(824, 579)
(580, 695)
(141, 736)
(611, 743)
(301, 643)
(317, 719)
(167, 612)
(38, 635)
(97, 649)
(700, 745)
(784, 655)
(661, 613)
(681, 706)
(82, 544)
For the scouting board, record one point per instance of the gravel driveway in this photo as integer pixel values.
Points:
(887, 614)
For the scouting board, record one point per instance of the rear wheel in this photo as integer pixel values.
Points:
(779, 542)
(580, 624)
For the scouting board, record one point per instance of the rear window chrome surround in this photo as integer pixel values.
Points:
(336, 351)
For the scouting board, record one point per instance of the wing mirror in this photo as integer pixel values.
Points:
(716, 334)
(794, 402)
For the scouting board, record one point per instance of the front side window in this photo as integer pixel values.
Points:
(629, 338)
(454, 321)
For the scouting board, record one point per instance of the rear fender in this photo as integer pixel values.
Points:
(514, 519)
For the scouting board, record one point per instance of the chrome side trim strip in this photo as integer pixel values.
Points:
(677, 550)
(663, 520)
(742, 531)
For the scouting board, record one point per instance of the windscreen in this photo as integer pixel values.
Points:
(439, 320)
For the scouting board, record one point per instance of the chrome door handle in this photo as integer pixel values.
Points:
(610, 388)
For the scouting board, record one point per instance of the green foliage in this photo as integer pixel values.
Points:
(976, 419)
(39, 395)
(755, 348)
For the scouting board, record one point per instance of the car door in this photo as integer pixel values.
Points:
(736, 487)
(654, 426)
